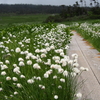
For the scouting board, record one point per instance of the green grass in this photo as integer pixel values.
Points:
(90, 31)
(7, 20)
(48, 73)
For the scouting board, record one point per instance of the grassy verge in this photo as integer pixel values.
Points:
(90, 31)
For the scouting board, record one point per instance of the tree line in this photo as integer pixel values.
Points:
(79, 10)
(29, 9)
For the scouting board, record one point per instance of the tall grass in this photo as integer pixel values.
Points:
(34, 64)
(90, 32)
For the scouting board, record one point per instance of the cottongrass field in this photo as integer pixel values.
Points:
(90, 32)
(34, 64)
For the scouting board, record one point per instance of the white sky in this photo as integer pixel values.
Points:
(43, 2)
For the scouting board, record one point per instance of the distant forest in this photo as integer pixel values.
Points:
(29, 9)
(63, 11)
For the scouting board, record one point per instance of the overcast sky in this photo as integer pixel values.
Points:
(43, 2)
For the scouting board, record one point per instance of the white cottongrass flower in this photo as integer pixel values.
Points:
(12, 50)
(52, 47)
(26, 52)
(36, 66)
(78, 95)
(3, 67)
(49, 71)
(29, 62)
(20, 59)
(56, 58)
(57, 61)
(55, 77)
(3, 37)
(43, 55)
(37, 51)
(73, 74)
(67, 47)
(84, 69)
(29, 54)
(3, 73)
(30, 81)
(75, 60)
(55, 66)
(27, 40)
(1, 63)
(17, 50)
(15, 92)
(39, 60)
(22, 76)
(1, 89)
(47, 44)
(43, 51)
(8, 78)
(59, 50)
(14, 79)
(65, 73)
(38, 78)
(64, 62)
(15, 65)
(7, 62)
(21, 63)
(75, 64)
(76, 70)
(40, 85)
(70, 62)
(55, 96)
(43, 87)
(33, 57)
(22, 52)
(47, 49)
(48, 62)
(27, 57)
(59, 87)
(19, 85)
(16, 70)
(46, 75)
(74, 55)
(62, 80)
(11, 95)
(60, 70)
(62, 54)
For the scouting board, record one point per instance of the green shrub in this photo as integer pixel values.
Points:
(54, 18)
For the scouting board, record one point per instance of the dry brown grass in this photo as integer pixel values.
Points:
(97, 57)
(98, 53)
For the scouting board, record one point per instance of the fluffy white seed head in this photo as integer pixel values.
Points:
(17, 50)
(19, 85)
(14, 79)
(3, 73)
(55, 96)
(8, 78)
(78, 95)
(30, 81)
(36, 66)
(21, 63)
(29, 62)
